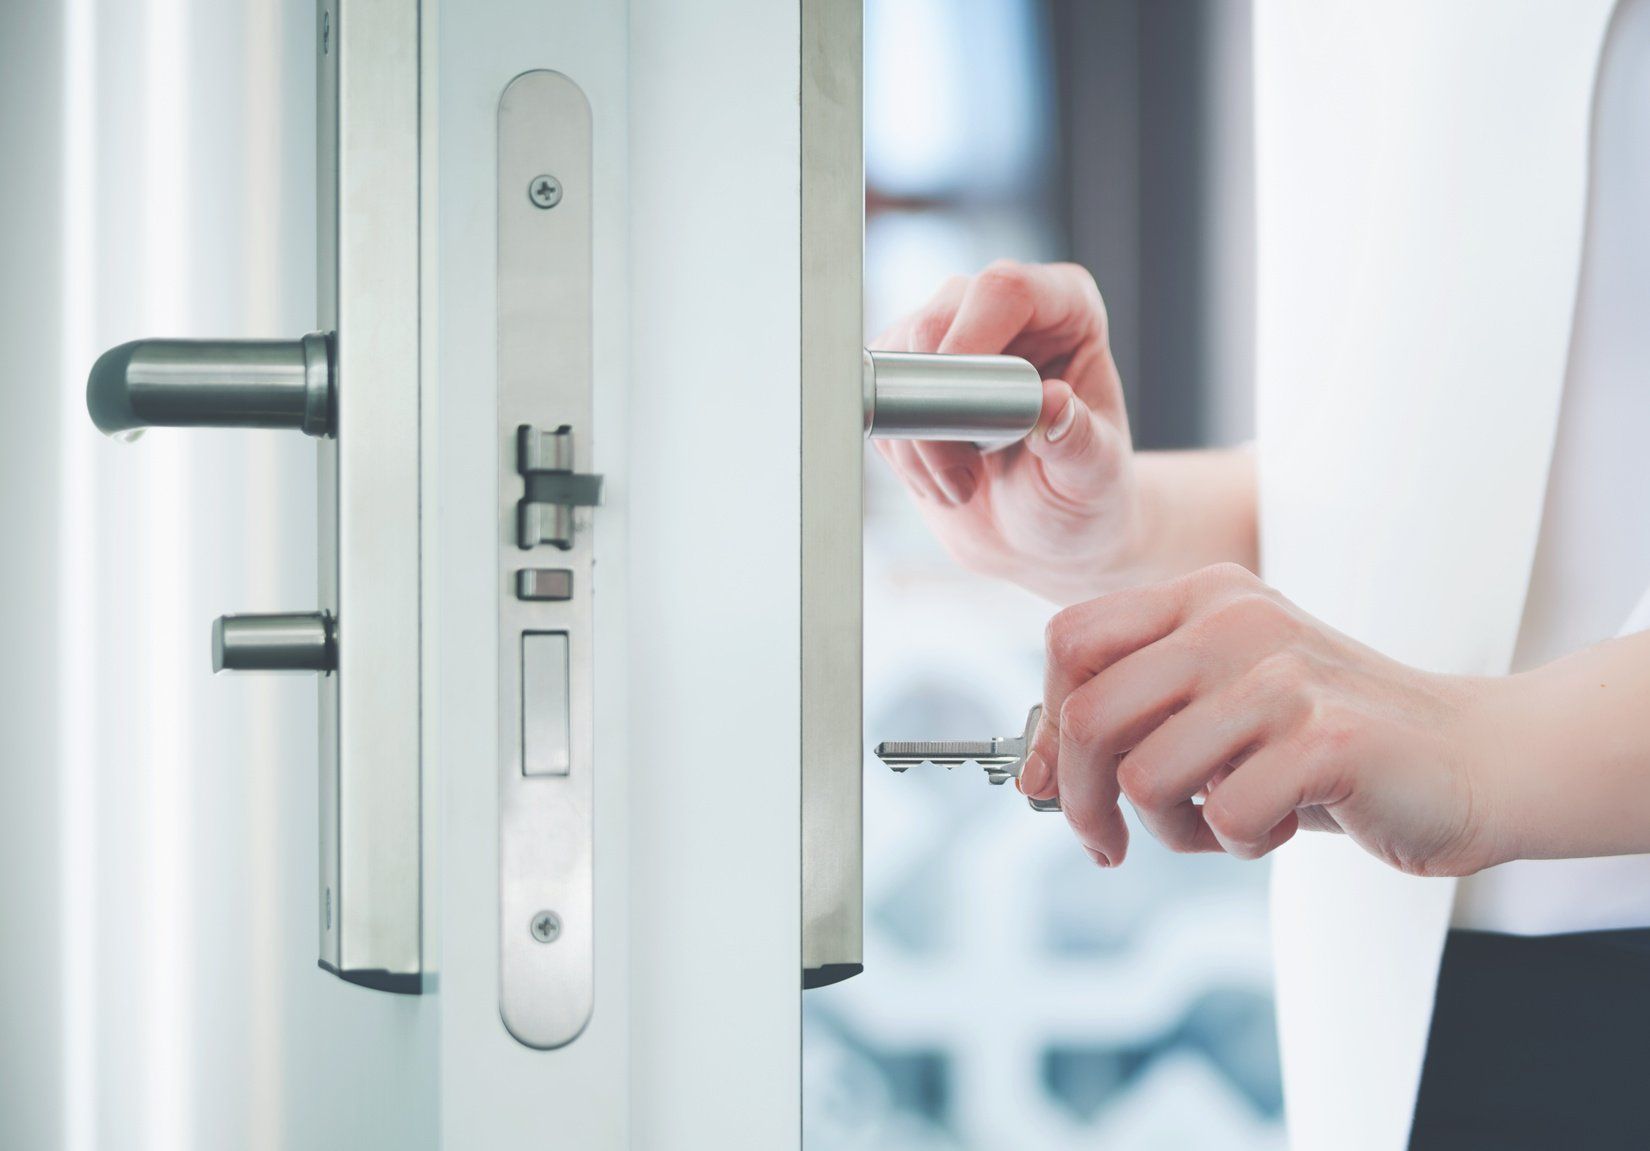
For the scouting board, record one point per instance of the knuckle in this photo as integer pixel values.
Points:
(1231, 829)
(929, 331)
(1281, 673)
(1143, 785)
(1080, 722)
(1230, 574)
(1005, 281)
(1061, 636)
(1251, 611)
(1327, 735)
(1084, 278)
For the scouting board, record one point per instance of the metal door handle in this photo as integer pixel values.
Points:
(990, 400)
(214, 384)
(294, 641)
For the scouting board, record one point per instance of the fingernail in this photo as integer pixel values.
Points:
(1062, 422)
(1098, 857)
(958, 484)
(1033, 774)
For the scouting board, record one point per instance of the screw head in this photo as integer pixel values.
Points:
(544, 191)
(546, 927)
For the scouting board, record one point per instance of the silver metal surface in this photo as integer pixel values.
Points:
(540, 524)
(369, 903)
(297, 641)
(544, 583)
(833, 427)
(984, 399)
(541, 451)
(213, 384)
(553, 488)
(544, 382)
(545, 748)
(1003, 757)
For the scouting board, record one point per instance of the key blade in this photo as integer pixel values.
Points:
(900, 754)
(1001, 758)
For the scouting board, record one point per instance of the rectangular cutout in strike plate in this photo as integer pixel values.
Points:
(544, 685)
(546, 575)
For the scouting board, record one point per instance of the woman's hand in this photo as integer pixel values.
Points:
(1052, 511)
(1214, 686)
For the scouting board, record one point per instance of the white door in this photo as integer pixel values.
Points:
(648, 736)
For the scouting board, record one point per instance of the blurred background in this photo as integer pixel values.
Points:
(1015, 996)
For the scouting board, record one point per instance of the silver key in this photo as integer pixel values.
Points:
(1002, 757)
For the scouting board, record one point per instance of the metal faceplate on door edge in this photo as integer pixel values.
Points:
(833, 424)
(545, 561)
(369, 903)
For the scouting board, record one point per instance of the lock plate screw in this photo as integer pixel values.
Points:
(544, 191)
(546, 927)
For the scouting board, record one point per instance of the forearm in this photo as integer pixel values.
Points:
(1571, 746)
(1197, 508)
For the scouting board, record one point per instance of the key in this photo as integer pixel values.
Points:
(1002, 757)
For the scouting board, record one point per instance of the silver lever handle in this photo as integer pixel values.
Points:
(214, 384)
(989, 400)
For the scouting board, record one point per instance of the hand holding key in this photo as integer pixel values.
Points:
(1002, 757)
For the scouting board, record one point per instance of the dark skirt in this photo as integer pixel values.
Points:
(1540, 1042)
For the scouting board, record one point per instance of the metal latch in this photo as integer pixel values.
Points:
(553, 488)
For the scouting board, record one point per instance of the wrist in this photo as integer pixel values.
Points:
(1490, 752)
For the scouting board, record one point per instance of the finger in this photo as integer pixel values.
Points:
(1253, 810)
(923, 328)
(1108, 715)
(1084, 640)
(954, 467)
(902, 457)
(1081, 643)
(1081, 453)
(1190, 753)
(927, 327)
(1008, 300)
(1087, 786)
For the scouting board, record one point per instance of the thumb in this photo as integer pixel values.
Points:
(1079, 450)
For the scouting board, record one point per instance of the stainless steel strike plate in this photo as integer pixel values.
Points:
(547, 497)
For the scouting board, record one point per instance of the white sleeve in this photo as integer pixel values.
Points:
(1639, 619)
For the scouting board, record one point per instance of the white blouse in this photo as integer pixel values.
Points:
(1592, 564)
